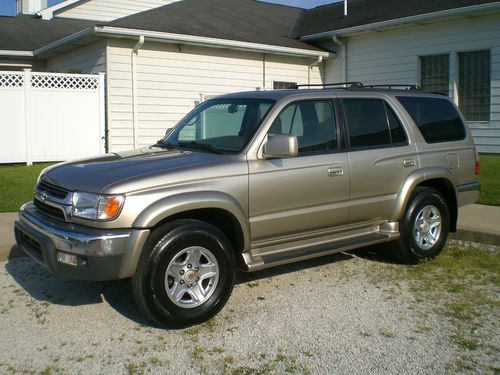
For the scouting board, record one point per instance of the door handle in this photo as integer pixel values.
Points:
(409, 163)
(334, 172)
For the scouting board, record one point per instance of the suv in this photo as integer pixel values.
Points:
(254, 180)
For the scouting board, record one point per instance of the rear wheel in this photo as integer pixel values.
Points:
(185, 274)
(424, 227)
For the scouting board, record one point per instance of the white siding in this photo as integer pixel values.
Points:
(170, 79)
(88, 59)
(392, 57)
(30, 6)
(109, 10)
(286, 69)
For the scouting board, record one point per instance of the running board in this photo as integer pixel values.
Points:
(257, 263)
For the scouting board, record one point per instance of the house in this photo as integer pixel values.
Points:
(161, 57)
(444, 46)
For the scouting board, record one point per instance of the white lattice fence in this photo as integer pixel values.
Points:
(64, 82)
(50, 116)
(11, 79)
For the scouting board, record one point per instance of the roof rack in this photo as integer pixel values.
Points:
(439, 93)
(345, 85)
(394, 86)
(359, 85)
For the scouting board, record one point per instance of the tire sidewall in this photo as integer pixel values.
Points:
(428, 197)
(176, 243)
(164, 246)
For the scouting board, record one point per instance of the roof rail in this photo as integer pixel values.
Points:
(395, 86)
(345, 85)
(439, 93)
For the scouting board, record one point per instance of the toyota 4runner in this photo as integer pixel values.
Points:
(254, 180)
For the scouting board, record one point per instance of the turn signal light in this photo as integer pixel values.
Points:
(111, 207)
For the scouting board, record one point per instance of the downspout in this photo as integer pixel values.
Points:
(316, 63)
(344, 57)
(135, 104)
(264, 71)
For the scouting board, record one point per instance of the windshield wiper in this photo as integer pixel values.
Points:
(201, 146)
(161, 143)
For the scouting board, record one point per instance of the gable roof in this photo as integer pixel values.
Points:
(27, 33)
(240, 20)
(329, 18)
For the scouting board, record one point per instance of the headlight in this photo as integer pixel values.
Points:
(97, 207)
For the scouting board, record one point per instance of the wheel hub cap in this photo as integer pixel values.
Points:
(191, 277)
(427, 227)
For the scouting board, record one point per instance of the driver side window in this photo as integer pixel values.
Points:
(312, 122)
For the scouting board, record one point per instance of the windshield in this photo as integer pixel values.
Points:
(219, 125)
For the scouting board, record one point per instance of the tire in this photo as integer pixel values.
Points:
(424, 227)
(185, 273)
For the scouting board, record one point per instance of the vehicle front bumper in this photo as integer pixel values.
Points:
(103, 254)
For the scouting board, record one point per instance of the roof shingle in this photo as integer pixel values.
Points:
(240, 20)
(26, 33)
(362, 12)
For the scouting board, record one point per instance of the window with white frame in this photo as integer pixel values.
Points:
(435, 73)
(474, 85)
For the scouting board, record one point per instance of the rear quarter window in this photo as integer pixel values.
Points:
(437, 119)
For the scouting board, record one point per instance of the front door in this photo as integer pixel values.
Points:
(310, 192)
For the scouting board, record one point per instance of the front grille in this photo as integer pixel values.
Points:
(49, 210)
(51, 190)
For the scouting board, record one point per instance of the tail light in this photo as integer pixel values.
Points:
(477, 163)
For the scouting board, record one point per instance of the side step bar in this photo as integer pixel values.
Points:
(266, 261)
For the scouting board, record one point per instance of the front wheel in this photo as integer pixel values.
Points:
(185, 274)
(424, 227)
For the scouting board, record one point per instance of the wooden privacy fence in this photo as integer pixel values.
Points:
(50, 116)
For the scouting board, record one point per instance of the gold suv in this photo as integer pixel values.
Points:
(253, 180)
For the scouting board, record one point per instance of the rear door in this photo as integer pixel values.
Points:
(380, 157)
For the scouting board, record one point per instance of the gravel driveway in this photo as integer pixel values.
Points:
(339, 314)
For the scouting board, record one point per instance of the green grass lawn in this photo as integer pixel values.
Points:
(17, 184)
(460, 287)
(490, 180)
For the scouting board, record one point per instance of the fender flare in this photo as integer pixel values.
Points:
(175, 204)
(415, 179)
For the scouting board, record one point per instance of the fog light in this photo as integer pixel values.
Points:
(70, 259)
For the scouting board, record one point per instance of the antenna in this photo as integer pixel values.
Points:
(345, 8)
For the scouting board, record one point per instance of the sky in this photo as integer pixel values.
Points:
(8, 7)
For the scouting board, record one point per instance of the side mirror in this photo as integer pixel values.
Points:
(281, 146)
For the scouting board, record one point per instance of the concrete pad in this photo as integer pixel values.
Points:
(478, 223)
(477, 217)
(7, 241)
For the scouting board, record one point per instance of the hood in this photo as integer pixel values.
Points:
(96, 174)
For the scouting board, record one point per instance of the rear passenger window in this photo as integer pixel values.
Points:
(312, 122)
(437, 119)
(372, 123)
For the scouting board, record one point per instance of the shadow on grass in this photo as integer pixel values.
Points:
(43, 286)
